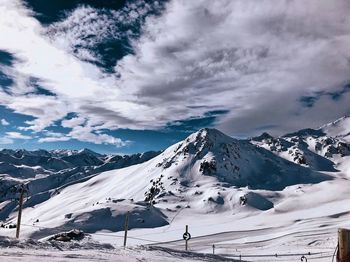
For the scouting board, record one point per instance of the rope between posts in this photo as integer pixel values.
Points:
(275, 255)
(217, 246)
(335, 251)
(99, 234)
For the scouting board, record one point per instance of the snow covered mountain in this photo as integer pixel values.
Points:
(320, 149)
(208, 167)
(44, 170)
(237, 162)
(208, 176)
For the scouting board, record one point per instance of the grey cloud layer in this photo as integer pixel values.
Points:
(256, 59)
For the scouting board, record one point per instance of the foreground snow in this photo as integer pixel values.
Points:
(30, 250)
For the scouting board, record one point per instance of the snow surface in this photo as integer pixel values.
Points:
(257, 198)
(13, 250)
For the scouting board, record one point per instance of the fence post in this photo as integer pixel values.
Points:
(343, 245)
(18, 226)
(186, 248)
(126, 225)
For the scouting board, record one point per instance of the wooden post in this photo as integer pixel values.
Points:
(126, 225)
(18, 226)
(343, 245)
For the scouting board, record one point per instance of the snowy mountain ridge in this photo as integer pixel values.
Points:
(339, 128)
(320, 149)
(45, 170)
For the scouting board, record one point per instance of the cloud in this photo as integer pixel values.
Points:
(9, 137)
(101, 35)
(17, 135)
(85, 134)
(45, 109)
(50, 136)
(75, 121)
(6, 141)
(4, 122)
(255, 60)
(53, 139)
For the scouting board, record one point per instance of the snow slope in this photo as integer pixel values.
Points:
(204, 173)
(45, 172)
(262, 196)
(13, 250)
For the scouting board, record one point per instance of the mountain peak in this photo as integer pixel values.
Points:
(88, 152)
(262, 137)
(209, 134)
(210, 153)
(196, 145)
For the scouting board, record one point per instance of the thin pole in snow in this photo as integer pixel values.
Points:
(186, 248)
(126, 225)
(186, 236)
(18, 226)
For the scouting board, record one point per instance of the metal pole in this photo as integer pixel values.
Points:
(186, 241)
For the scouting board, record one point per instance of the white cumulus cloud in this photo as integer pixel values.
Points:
(17, 135)
(85, 134)
(6, 141)
(4, 122)
(256, 59)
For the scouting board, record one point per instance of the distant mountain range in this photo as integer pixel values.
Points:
(318, 149)
(45, 170)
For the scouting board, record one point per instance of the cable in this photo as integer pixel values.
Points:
(319, 254)
(100, 234)
(335, 251)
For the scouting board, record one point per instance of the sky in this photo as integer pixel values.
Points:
(130, 76)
